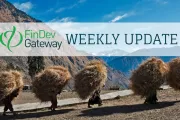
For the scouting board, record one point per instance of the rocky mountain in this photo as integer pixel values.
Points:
(8, 13)
(126, 63)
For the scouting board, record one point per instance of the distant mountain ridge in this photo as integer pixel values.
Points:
(115, 52)
(171, 51)
(131, 61)
(128, 63)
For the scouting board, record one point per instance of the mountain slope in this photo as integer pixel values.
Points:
(8, 13)
(126, 64)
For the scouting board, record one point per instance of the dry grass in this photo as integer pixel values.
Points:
(174, 74)
(61, 70)
(91, 78)
(18, 79)
(50, 82)
(9, 82)
(148, 77)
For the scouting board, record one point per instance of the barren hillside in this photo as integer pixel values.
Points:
(8, 13)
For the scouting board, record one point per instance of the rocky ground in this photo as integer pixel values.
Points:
(125, 108)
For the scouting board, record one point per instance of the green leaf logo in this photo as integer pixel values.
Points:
(9, 41)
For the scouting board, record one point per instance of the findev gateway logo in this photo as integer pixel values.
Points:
(33, 39)
(7, 44)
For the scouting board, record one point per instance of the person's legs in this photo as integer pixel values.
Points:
(5, 109)
(51, 105)
(54, 103)
(95, 99)
(7, 101)
(10, 106)
(89, 103)
(152, 98)
(148, 99)
(100, 101)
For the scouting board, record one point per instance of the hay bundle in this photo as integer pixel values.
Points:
(62, 71)
(148, 77)
(174, 74)
(18, 79)
(9, 82)
(91, 78)
(49, 83)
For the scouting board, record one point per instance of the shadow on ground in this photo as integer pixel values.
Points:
(35, 114)
(104, 111)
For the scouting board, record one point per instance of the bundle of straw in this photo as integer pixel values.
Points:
(91, 78)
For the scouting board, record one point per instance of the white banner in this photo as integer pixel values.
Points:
(89, 39)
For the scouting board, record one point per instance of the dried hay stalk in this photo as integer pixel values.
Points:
(9, 82)
(91, 78)
(18, 79)
(62, 71)
(148, 77)
(50, 82)
(174, 74)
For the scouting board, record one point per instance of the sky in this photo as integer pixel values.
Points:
(101, 10)
(106, 11)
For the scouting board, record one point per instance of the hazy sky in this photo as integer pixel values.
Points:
(102, 11)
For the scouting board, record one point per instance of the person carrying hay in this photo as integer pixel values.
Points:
(95, 99)
(90, 80)
(147, 78)
(49, 83)
(11, 84)
(174, 73)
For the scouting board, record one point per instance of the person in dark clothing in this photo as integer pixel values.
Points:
(53, 104)
(95, 99)
(151, 99)
(7, 101)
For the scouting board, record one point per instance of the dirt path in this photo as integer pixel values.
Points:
(126, 108)
(28, 97)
